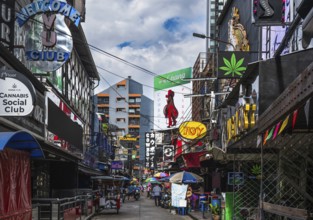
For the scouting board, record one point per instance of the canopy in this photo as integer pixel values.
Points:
(21, 140)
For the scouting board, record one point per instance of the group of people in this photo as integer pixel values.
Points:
(156, 191)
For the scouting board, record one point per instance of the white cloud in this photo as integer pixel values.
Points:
(141, 23)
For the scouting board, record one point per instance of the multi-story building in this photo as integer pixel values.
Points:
(261, 129)
(46, 107)
(125, 106)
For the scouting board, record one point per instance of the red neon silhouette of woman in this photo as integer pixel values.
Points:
(170, 110)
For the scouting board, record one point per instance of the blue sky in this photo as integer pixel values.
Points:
(153, 34)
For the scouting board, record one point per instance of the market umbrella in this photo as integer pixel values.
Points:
(161, 175)
(134, 181)
(166, 179)
(186, 177)
(152, 180)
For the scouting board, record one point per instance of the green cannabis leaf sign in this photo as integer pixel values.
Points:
(232, 64)
(233, 67)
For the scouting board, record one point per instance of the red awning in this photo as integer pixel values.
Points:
(192, 160)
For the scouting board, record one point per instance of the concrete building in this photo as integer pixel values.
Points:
(125, 106)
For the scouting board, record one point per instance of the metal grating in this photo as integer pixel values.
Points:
(246, 196)
(288, 177)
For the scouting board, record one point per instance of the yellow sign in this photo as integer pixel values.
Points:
(192, 130)
(128, 137)
(241, 121)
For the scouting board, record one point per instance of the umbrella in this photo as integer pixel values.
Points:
(161, 175)
(166, 179)
(134, 181)
(186, 177)
(152, 180)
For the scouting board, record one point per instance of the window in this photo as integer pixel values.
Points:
(103, 100)
(120, 99)
(131, 111)
(121, 120)
(120, 110)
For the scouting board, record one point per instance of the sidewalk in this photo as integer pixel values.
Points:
(199, 215)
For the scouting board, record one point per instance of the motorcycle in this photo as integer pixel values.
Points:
(135, 193)
(166, 201)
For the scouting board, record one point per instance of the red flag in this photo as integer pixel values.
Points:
(294, 118)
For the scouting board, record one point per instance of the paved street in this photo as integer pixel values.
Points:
(144, 209)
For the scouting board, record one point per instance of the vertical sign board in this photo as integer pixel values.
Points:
(17, 94)
(150, 149)
(7, 23)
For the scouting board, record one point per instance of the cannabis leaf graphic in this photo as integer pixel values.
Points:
(233, 67)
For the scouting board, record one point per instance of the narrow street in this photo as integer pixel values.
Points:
(144, 209)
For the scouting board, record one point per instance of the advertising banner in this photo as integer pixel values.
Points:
(165, 86)
(178, 193)
(117, 165)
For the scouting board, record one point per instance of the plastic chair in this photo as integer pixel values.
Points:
(202, 198)
(182, 211)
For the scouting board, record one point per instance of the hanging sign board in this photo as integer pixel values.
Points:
(192, 130)
(49, 42)
(17, 94)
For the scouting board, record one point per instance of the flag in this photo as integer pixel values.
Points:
(265, 137)
(294, 118)
(276, 130)
(284, 124)
(259, 140)
(307, 111)
(270, 134)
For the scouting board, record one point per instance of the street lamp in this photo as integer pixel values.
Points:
(214, 39)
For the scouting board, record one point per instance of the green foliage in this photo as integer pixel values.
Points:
(215, 209)
(233, 67)
(256, 169)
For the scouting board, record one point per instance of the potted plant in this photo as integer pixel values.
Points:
(216, 211)
(257, 171)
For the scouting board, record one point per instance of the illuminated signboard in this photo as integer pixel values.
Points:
(192, 130)
(49, 42)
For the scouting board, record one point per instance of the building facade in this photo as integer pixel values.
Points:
(125, 107)
(51, 88)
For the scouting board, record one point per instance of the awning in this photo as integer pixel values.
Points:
(192, 160)
(21, 140)
(89, 170)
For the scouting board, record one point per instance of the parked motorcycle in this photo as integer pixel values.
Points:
(135, 193)
(165, 201)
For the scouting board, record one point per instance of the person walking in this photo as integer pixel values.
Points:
(157, 194)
